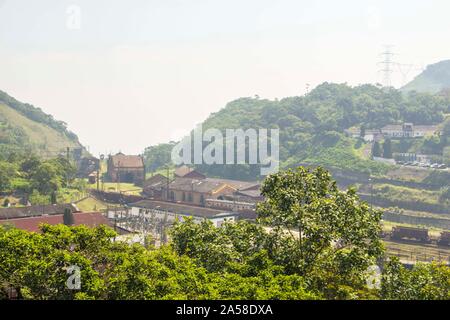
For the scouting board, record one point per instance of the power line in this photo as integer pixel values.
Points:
(404, 69)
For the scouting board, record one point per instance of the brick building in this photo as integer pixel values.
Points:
(126, 168)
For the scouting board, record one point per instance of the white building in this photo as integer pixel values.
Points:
(408, 130)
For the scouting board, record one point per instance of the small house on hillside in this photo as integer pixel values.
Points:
(126, 168)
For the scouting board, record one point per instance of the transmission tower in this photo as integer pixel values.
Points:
(387, 64)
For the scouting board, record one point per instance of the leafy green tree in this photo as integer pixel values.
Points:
(387, 149)
(362, 132)
(241, 247)
(432, 145)
(30, 164)
(66, 170)
(36, 198)
(336, 236)
(46, 178)
(264, 287)
(156, 157)
(7, 173)
(446, 128)
(36, 266)
(376, 149)
(429, 281)
(80, 184)
(445, 194)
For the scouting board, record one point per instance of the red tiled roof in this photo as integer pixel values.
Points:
(89, 219)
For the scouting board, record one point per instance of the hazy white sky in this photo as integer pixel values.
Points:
(131, 73)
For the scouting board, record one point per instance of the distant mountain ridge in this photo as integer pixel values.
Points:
(434, 79)
(26, 128)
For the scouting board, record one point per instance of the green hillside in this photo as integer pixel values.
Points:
(435, 78)
(312, 126)
(24, 128)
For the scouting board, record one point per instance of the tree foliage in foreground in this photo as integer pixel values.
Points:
(36, 265)
(423, 282)
(317, 242)
(335, 235)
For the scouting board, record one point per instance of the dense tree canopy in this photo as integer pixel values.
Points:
(423, 282)
(333, 232)
(7, 172)
(36, 265)
(158, 156)
(39, 178)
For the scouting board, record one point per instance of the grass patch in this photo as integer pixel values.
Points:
(91, 204)
(127, 188)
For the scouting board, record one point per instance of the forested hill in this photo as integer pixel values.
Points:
(25, 128)
(312, 126)
(435, 78)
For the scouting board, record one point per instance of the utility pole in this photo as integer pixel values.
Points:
(98, 173)
(163, 230)
(167, 184)
(68, 161)
(386, 65)
(118, 176)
